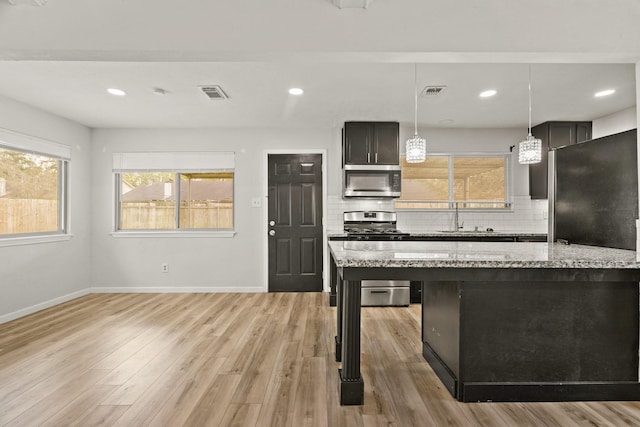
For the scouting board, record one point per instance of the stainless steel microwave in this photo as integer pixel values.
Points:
(371, 181)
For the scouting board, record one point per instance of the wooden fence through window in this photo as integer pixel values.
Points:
(159, 215)
(19, 216)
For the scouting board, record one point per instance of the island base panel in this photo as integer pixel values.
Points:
(550, 392)
(351, 391)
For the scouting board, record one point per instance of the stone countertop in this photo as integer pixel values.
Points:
(412, 254)
(479, 233)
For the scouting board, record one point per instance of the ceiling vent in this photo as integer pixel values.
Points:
(430, 91)
(214, 92)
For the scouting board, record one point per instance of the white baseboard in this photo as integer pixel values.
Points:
(172, 290)
(37, 307)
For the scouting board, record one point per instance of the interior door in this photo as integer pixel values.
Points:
(295, 222)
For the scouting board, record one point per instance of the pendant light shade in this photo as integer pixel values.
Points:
(416, 147)
(530, 148)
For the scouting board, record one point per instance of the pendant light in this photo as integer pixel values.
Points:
(416, 147)
(530, 148)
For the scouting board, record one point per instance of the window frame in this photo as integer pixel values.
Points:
(17, 142)
(177, 163)
(458, 204)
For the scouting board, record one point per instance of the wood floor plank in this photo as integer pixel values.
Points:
(102, 415)
(241, 415)
(627, 412)
(238, 359)
(181, 403)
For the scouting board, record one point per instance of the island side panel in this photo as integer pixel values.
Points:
(547, 332)
(441, 330)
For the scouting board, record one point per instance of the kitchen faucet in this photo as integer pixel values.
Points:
(458, 226)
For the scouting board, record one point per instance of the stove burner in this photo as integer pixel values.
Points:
(357, 230)
(379, 226)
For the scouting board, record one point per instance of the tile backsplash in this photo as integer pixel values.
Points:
(527, 216)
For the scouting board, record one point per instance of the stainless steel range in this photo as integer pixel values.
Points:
(378, 226)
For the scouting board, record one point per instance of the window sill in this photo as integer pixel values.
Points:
(172, 233)
(33, 240)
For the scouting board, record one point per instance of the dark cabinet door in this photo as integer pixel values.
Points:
(553, 135)
(583, 132)
(371, 143)
(385, 144)
(358, 137)
(561, 134)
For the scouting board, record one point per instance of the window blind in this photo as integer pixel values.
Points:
(174, 161)
(31, 144)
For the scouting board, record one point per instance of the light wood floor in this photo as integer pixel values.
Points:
(237, 359)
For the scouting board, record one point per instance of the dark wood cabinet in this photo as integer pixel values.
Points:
(371, 143)
(553, 135)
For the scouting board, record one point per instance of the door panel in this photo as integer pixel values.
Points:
(283, 203)
(308, 205)
(283, 257)
(295, 207)
(308, 256)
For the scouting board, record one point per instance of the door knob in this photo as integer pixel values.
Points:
(272, 232)
(272, 223)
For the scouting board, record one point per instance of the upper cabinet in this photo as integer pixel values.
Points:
(371, 143)
(553, 135)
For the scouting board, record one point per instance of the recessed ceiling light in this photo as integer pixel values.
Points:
(488, 93)
(604, 93)
(116, 92)
(296, 91)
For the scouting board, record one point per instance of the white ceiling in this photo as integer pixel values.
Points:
(334, 92)
(354, 64)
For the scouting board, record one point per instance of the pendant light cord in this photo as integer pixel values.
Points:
(529, 100)
(415, 91)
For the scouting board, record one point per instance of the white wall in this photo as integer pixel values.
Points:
(237, 263)
(38, 275)
(222, 264)
(614, 123)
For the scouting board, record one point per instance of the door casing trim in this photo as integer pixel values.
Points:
(265, 211)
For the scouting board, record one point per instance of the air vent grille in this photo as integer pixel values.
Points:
(214, 92)
(432, 90)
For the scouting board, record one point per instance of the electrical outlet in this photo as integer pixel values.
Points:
(256, 202)
(164, 267)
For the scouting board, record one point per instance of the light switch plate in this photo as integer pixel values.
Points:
(256, 202)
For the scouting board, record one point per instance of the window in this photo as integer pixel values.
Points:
(32, 186)
(446, 181)
(153, 195)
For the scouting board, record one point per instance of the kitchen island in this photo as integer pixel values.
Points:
(504, 321)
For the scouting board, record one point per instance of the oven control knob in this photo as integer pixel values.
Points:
(366, 237)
